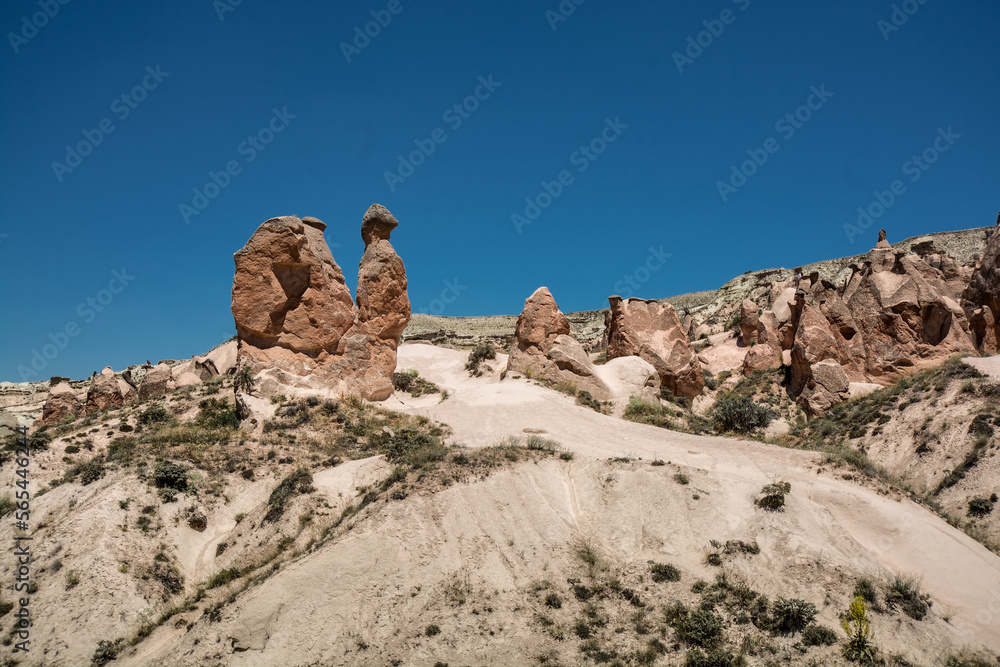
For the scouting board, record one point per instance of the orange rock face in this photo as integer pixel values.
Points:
(981, 298)
(653, 331)
(544, 347)
(60, 404)
(294, 312)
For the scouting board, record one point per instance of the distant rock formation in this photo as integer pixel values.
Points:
(981, 298)
(104, 392)
(544, 348)
(157, 382)
(893, 314)
(61, 404)
(651, 330)
(294, 314)
(749, 321)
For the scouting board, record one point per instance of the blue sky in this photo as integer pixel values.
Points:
(201, 77)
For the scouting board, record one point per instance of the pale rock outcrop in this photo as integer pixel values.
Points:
(294, 314)
(8, 424)
(61, 404)
(104, 392)
(545, 349)
(157, 382)
(188, 379)
(749, 321)
(652, 331)
(630, 376)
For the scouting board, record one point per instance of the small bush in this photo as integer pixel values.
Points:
(154, 414)
(792, 616)
(298, 482)
(87, 472)
(553, 601)
(414, 385)
(7, 505)
(857, 626)
(646, 412)
(586, 399)
(168, 475)
(980, 507)
(123, 449)
(682, 479)
(818, 635)
(700, 626)
(217, 413)
(661, 573)
(740, 415)
(904, 592)
(772, 496)
(432, 630)
(72, 579)
(718, 657)
(105, 653)
(222, 577)
(480, 353)
(866, 589)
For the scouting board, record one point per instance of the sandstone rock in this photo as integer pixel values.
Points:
(128, 392)
(983, 292)
(749, 319)
(544, 348)
(294, 313)
(60, 404)
(827, 386)
(630, 376)
(156, 382)
(8, 424)
(223, 358)
(760, 357)
(104, 392)
(188, 380)
(652, 331)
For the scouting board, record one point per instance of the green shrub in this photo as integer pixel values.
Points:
(168, 475)
(106, 652)
(682, 479)
(661, 572)
(414, 385)
(222, 577)
(740, 415)
(432, 630)
(904, 593)
(792, 616)
(480, 353)
(700, 626)
(718, 657)
(123, 449)
(818, 635)
(866, 589)
(154, 414)
(298, 482)
(980, 507)
(72, 449)
(586, 399)
(553, 601)
(217, 413)
(7, 505)
(772, 496)
(646, 412)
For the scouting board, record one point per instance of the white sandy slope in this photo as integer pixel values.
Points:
(366, 598)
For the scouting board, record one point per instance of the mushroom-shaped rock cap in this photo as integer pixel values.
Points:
(313, 222)
(377, 224)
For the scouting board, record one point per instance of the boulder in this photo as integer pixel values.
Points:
(188, 380)
(749, 319)
(294, 313)
(104, 392)
(543, 348)
(157, 382)
(630, 376)
(61, 404)
(652, 331)
(760, 357)
(827, 385)
(8, 424)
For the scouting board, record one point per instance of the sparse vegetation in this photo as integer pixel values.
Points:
(414, 385)
(740, 415)
(481, 352)
(860, 646)
(661, 572)
(980, 507)
(772, 496)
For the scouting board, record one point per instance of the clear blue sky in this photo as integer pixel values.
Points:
(656, 184)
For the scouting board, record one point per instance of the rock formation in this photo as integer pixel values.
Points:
(981, 298)
(157, 382)
(652, 331)
(749, 321)
(761, 357)
(294, 314)
(104, 392)
(893, 314)
(544, 348)
(61, 404)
